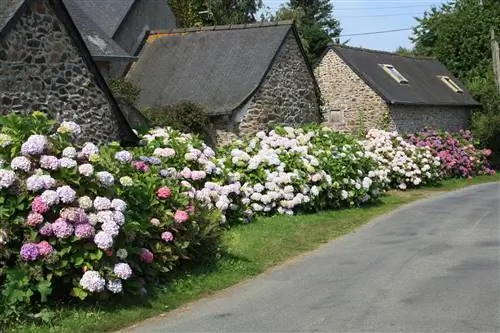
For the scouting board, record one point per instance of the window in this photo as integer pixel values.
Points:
(393, 72)
(449, 82)
(335, 116)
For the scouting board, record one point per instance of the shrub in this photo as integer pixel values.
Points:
(124, 88)
(405, 164)
(84, 221)
(186, 117)
(457, 152)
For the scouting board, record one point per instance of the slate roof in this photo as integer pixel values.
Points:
(99, 43)
(217, 67)
(12, 10)
(108, 14)
(423, 88)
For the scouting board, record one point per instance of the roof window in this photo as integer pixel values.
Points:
(449, 82)
(394, 73)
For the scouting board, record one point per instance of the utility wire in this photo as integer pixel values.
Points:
(373, 32)
(367, 8)
(379, 15)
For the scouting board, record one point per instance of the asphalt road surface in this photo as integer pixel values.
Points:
(432, 266)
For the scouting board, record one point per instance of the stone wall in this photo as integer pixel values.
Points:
(42, 70)
(350, 105)
(287, 95)
(407, 119)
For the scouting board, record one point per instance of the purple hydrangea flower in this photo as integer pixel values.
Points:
(167, 236)
(84, 231)
(62, 229)
(49, 162)
(7, 178)
(119, 218)
(50, 197)
(46, 230)
(118, 205)
(123, 156)
(102, 203)
(66, 194)
(115, 286)
(35, 145)
(21, 163)
(122, 270)
(92, 281)
(111, 228)
(103, 240)
(29, 252)
(105, 178)
(89, 149)
(69, 127)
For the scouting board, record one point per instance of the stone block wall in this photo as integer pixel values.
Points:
(349, 103)
(42, 70)
(407, 119)
(287, 95)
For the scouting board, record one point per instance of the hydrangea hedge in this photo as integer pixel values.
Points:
(87, 221)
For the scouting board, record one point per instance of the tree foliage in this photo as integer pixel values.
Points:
(458, 34)
(192, 13)
(315, 22)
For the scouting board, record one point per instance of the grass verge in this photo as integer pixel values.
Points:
(251, 249)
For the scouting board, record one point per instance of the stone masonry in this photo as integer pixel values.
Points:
(287, 96)
(42, 70)
(350, 105)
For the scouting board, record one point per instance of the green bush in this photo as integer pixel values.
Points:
(186, 117)
(124, 88)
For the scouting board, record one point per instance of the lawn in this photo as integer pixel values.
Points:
(250, 250)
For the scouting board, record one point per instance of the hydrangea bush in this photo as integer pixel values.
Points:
(405, 164)
(457, 151)
(80, 220)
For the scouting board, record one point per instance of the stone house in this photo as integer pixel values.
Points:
(114, 29)
(45, 66)
(247, 78)
(363, 89)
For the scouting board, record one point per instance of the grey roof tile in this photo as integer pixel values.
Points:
(216, 69)
(423, 88)
(107, 14)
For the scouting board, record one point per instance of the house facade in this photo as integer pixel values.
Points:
(246, 77)
(364, 89)
(46, 66)
(121, 26)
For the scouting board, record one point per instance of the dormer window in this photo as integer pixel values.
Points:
(452, 85)
(393, 72)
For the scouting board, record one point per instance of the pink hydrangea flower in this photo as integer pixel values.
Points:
(62, 229)
(167, 236)
(34, 219)
(164, 192)
(181, 216)
(44, 248)
(39, 206)
(146, 256)
(140, 165)
(46, 230)
(84, 231)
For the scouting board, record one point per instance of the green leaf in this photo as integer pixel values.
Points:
(44, 287)
(80, 293)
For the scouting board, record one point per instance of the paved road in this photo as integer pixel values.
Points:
(430, 267)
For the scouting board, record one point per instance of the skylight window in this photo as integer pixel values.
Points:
(449, 82)
(394, 73)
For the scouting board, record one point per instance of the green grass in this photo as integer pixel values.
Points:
(251, 249)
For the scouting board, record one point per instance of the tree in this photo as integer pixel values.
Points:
(192, 13)
(315, 22)
(458, 34)
(404, 51)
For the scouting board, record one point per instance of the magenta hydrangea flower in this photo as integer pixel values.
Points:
(167, 236)
(44, 248)
(29, 252)
(46, 230)
(181, 216)
(62, 229)
(34, 219)
(122, 270)
(49, 162)
(141, 166)
(35, 145)
(146, 256)
(84, 231)
(39, 205)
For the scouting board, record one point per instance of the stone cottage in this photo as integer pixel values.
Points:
(246, 77)
(365, 89)
(45, 66)
(114, 29)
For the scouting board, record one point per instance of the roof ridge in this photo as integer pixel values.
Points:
(224, 27)
(333, 45)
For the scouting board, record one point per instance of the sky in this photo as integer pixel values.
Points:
(360, 16)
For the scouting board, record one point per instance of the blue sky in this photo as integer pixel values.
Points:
(359, 16)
